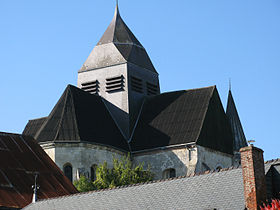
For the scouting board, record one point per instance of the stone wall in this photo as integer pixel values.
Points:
(209, 159)
(185, 161)
(81, 156)
(161, 160)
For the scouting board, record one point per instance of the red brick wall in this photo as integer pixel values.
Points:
(253, 176)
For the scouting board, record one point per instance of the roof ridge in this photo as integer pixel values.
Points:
(272, 160)
(39, 118)
(8, 133)
(205, 111)
(212, 86)
(63, 111)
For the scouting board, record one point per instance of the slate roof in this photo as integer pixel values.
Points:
(188, 116)
(20, 158)
(236, 126)
(118, 45)
(33, 126)
(272, 174)
(268, 164)
(79, 116)
(217, 190)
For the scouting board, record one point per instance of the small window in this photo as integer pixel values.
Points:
(91, 87)
(152, 89)
(115, 84)
(169, 173)
(67, 170)
(219, 167)
(93, 172)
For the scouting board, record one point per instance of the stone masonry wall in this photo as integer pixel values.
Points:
(81, 156)
(209, 159)
(161, 160)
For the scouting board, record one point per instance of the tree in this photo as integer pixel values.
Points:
(122, 173)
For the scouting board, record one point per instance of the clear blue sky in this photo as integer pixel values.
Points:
(192, 43)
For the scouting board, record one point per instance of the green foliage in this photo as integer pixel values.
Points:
(84, 184)
(122, 173)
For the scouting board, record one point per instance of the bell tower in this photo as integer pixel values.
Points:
(121, 72)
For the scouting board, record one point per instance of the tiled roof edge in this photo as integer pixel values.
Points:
(272, 160)
(6, 134)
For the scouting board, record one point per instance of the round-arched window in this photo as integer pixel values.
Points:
(68, 171)
(169, 173)
(93, 172)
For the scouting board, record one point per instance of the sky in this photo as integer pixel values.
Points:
(192, 44)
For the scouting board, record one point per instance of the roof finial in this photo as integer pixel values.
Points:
(35, 188)
(229, 84)
(117, 8)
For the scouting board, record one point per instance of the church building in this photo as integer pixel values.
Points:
(117, 108)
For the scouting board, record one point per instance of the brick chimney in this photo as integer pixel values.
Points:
(253, 176)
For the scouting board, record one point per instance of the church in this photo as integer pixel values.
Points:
(117, 108)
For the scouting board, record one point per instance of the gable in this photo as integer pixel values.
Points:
(216, 131)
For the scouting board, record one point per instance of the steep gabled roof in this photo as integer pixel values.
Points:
(217, 190)
(117, 45)
(236, 127)
(80, 116)
(188, 116)
(20, 158)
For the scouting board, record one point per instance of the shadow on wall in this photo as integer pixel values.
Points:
(165, 163)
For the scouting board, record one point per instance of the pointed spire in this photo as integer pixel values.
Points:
(120, 45)
(117, 12)
(236, 126)
(118, 32)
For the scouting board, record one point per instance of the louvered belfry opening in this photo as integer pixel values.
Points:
(115, 84)
(91, 87)
(152, 89)
(136, 84)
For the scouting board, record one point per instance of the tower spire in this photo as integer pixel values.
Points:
(229, 84)
(117, 8)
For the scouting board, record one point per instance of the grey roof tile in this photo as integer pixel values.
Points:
(220, 190)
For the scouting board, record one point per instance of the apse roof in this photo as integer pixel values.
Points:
(188, 116)
(20, 158)
(79, 117)
(117, 45)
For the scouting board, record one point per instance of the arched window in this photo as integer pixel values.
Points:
(93, 172)
(219, 167)
(169, 173)
(67, 170)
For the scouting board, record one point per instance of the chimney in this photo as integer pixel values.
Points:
(253, 176)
